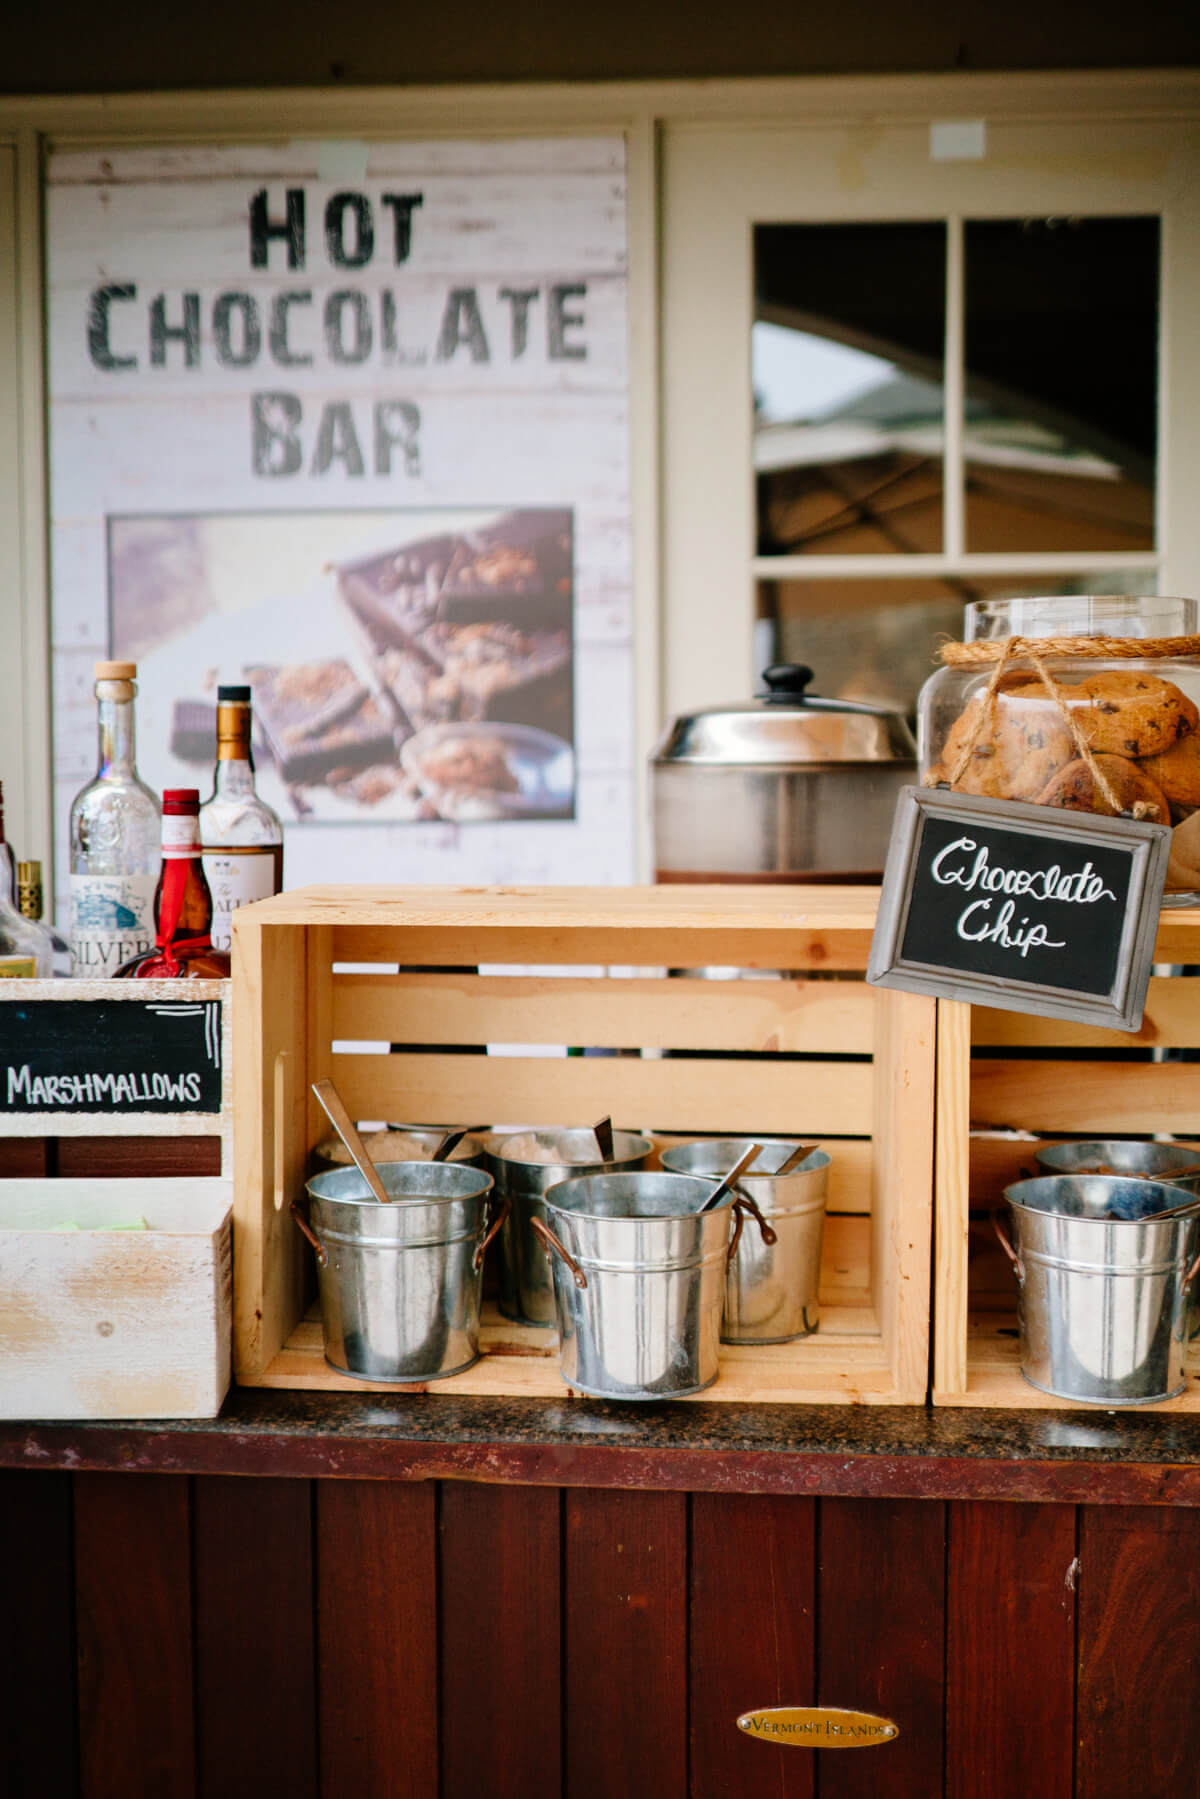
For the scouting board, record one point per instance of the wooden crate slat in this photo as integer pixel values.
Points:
(679, 1095)
(1171, 1021)
(1102, 1098)
(600, 1013)
(903, 1084)
(799, 947)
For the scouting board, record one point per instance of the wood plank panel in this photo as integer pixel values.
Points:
(37, 1643)
(706, 942)
(684, 1013)
(501, 1652)
(254, 1653)
(699, 1094)
(904, 1086)
(114, 1157)
(752, 1639)
(1171, 1021)
(1138, 1722)
(626, 1644)
(950, 1196)
(1083, 1097)
(1010, 1651)
(133, 1586)
(880, 1641)
(377, 1648)
(24, 1158)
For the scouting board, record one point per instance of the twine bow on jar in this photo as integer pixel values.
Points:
(1035, 650)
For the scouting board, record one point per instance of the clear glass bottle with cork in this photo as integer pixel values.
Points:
(241, 837)
(114, 840)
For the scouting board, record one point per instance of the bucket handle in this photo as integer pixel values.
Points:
(302, 1221)
(552, 1246)
(1190, 1276)
(741, 1204)
(498, 1215)
(1007, 1247)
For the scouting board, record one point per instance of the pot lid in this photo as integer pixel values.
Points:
(787, 726)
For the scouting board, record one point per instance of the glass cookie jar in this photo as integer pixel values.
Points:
(1119, 733)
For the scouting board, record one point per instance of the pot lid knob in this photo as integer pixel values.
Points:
(786, 681)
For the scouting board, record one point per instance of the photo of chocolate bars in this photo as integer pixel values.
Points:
(362, 633)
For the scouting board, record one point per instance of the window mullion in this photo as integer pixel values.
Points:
(954, 396)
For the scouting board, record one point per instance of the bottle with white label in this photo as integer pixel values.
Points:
(115, 841)
(241, 837)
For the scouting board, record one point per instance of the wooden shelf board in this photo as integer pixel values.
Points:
(842, 1363)
(994, 1375)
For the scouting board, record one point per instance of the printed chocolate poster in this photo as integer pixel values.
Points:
(350, 424)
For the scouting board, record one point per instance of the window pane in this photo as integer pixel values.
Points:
(847, 366)
(1062, 389)
(878, 640)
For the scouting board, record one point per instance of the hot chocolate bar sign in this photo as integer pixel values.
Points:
(1026, 907)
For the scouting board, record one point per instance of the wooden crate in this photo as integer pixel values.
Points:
(100, 1320)
(97, 1322)
(1003, 1077)
(437, 970)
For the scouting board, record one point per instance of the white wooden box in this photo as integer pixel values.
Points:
(105, 1323)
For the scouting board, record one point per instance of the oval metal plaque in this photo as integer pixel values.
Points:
(818, 1727)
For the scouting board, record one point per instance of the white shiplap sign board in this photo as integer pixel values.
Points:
(266, 361)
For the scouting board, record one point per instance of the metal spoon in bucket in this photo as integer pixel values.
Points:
(727, 1180)
(339, 1118)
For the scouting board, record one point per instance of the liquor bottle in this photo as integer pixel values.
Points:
(29, 904)
(114, 840)
(241, 837)
(183, 907)
(8, 866)
(26, 951)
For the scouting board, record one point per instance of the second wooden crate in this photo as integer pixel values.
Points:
(439, 1005)
(1006, 1080)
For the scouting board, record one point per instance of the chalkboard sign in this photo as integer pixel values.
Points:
(1032, 908)
(106, 1056)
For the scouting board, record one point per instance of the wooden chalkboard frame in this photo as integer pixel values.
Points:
(1148, 846)
(146, 1123)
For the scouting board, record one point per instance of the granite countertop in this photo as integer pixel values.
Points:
(885, 1451)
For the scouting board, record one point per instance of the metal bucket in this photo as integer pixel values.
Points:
(639, 1280)
(399, 1284)
(524, 1166)
(770, 1288)
(1176, 1163)
(1103, 1264)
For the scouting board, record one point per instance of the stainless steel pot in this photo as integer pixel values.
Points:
(781, 786)
(524, 1165)
(1104, 1265)
(639, 1281)
(770, 1288)
(400, 1284)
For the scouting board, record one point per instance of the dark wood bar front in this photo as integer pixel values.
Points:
(361, 1594)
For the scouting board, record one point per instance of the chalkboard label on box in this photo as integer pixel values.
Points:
(97, 1056)
(1032, 908)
